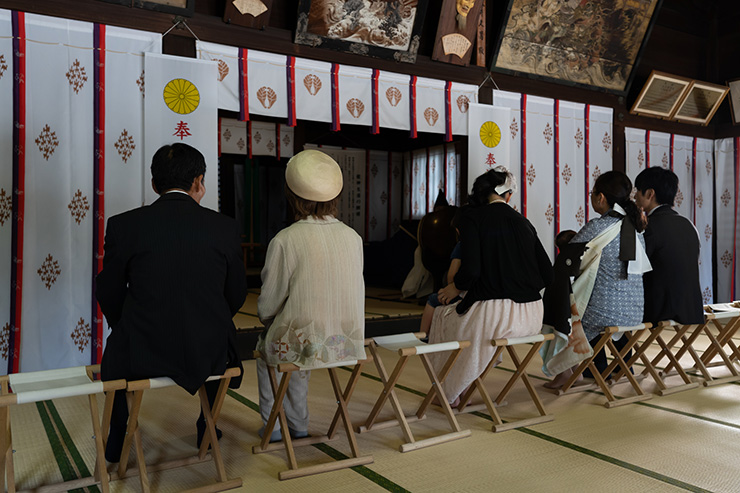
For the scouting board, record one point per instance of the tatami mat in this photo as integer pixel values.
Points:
(684, 442)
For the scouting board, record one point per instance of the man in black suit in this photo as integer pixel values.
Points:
(672, 290)
(171, 282)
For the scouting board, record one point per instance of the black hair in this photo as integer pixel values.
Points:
(663, 181)
(564, 237)
(485, 185)
(617, 188)
(176, 166)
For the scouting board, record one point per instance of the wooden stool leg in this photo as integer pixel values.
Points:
(478, 384)
(442, 376)
(437, 387)
(215, 412)
(348, 390)
(6, 449)
(211, 428)
(100, 473)
(587, 363)
(342, 405)
(134, 404)
(612, 401)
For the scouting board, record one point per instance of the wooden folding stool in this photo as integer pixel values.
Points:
(606, 341)
(30, 387)
(135, 393)
(520, 372)
(408, 345)
(726, 332)
(650, 368)
(277, 414)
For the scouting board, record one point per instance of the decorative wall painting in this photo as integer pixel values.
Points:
(388, 29)
(594, 44)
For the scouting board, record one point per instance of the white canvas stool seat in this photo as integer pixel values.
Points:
(408, 345)
(277, 415)
(30, 387)
(520, 372)
(135, 393)
(633, 333)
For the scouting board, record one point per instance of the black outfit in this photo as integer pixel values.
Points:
(672, 290)
(556, 300)
(502, 257)
(172, 280)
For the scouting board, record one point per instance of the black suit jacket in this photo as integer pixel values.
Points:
(672, 289)
(172, 280)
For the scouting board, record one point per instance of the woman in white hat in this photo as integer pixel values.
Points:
(312, 300)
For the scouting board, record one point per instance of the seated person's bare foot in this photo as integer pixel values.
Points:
(561, 378)
(453, 404)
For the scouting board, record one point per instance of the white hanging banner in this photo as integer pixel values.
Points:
(355, 95)
(313, 90)
(430, 105)
(393, 100)
(513, 101)
(599, 146)
(452, 192)
(227, 58)
(6, 177)
(287, 141)
(233, 136)
(377, 200)
(635, 149)
(570, 159)
(461, 97)
(127, 173)
(437, 175)
(659, 149)
(682, 166)
(268, 84)
(489, 142)
(704, 212)
(181, 106)
(57, 247)
(725, 179)
(418, 183)
(264, 139)
(539, 182)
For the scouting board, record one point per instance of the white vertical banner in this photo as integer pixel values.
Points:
(268, 84)
(393, 100)
(599, 146)
(571, 155)
(539, 182)
(704, 212)
(635, 150)
(287, 141)
(57, 267)
(181, 106)
(395, 168)
(462, 96)
(659, 149)
(6, 176)
(513, 101)
(127, 174)
(378, 199)
(263, 140)
(418, 183)
(453, 172)
(233, 136)
(725, 206)
(682, 166)
(352, 203)
(312, 90)
(355, 96)
(436, 171)
(227, 58)
(489, 142)
(430, 105)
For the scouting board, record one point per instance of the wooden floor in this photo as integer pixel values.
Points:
(684, 442)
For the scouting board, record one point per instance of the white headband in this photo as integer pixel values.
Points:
(508, 185)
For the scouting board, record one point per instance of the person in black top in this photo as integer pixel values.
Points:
(672, 290)
(503, 268)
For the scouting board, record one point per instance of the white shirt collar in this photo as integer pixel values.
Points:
(175, 190)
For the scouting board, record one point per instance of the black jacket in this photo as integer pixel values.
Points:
(172, 280)
(672, 290)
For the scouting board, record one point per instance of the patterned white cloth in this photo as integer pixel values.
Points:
(484, 321)
(313, 295)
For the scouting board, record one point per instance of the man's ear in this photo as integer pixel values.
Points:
(649, 194)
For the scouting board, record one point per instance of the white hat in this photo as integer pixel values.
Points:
(313, 175)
